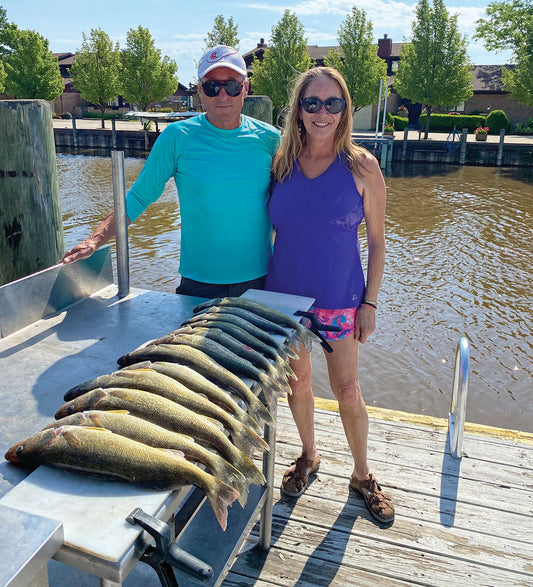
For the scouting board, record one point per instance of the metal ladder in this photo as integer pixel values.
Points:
(457, 415)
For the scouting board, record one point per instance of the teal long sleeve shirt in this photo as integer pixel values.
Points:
(222, 178)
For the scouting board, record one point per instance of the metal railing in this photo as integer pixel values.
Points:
(457, 416)
(121, 223)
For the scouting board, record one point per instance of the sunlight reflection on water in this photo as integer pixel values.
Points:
(458, 264)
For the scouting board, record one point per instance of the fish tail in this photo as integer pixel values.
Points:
(243, 488)
(221, 496)
(245, 439)
(260, 412)
(247, 467)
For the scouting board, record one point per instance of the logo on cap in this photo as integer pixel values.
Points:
(216, 56)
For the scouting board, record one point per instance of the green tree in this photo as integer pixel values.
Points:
(358, 61)
(223, 33)
(147, 78)
(97, 69)
(282, 62)
(434, 68)
(32, 71)
(510, 26)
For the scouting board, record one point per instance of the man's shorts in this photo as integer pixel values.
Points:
(345, 318)
(190, 287)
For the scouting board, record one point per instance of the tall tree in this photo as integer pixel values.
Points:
(32, 71)
(96, 70)
(286, 57)
(358, 61)
(147, 78)
(3, 51)
(434, 68)
(510, 26)
(223, 33)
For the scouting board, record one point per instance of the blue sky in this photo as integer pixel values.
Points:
(179, 28)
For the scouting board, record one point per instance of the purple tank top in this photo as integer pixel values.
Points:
(316, 251)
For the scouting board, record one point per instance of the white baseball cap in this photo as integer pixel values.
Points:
(221, 56)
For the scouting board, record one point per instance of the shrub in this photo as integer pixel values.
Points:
(496, 121)
(400, 122)
(446, 122)
(107, 116)
(66, 115)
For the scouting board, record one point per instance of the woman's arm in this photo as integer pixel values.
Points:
(372, 188)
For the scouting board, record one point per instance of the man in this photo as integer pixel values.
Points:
(220, 161)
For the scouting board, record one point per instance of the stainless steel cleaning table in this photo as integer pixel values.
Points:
(64, 326)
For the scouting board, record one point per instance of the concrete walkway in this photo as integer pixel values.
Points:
(95, 124)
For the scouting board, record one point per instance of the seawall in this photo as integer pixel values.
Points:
(137, 143)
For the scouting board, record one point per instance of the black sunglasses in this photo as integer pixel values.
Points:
(314, 105)
(212, 87)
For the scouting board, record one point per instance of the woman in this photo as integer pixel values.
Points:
(324, 187)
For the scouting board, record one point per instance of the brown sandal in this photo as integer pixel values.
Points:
(296, 477)
(379, 504)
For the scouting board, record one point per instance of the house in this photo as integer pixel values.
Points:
(489, 92)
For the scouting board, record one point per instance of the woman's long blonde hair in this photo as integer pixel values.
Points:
(294, 135)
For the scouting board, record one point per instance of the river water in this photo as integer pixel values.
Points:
(459, 244)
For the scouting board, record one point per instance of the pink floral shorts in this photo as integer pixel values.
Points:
(345, 318)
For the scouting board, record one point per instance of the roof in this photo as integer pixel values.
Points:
(65, 58)
(488, 78)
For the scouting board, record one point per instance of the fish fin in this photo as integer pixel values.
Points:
(247, 467)
(174, 452)
(220, 497)
(245, 439)
(243, 488)
(141, 365)
(260, 412)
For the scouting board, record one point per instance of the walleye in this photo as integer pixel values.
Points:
(101, 452)
(306, 336)
(258, 321)
(204, 364)
(122, 423)
(225, 316)
(241, 350)
(168, 414)
(200, 384)
(244, 438)
(228, 359)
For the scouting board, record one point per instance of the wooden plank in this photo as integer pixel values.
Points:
(503, 477)
(281, 567)
(476, 446)
(348, 513)
(380, 557)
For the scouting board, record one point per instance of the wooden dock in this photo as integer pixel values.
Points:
(458, 522)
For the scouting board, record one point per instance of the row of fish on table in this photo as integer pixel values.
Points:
(178, 411)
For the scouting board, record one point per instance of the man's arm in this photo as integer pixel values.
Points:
(104, 232)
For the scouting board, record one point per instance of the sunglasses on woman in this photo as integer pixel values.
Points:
(212, 87)
(313, 105)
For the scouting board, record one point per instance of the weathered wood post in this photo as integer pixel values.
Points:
(259, 107)
(74, 132)
(500, 148)
(31, 226)
(462, 151)
(113, 134)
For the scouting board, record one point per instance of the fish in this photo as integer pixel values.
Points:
(104, 453)
(240, 349)
(146, 379)
(168, 414)
(255, 319)
(226, 317)
(125, 424)
(204, 364)
(225, 357)
(305, 335)
(200, 384)
(246, 333)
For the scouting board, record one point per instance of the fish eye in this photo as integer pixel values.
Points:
(19, 450)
